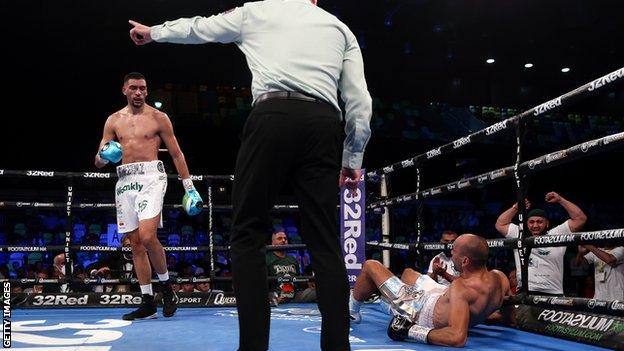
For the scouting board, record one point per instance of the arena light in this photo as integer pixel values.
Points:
(565, 69)
(490, 60)
(158, 104)
(528, 65)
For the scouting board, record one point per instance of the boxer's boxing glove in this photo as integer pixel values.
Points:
(111, 152)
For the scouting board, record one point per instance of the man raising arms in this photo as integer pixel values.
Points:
(139, 192)
(546, 263)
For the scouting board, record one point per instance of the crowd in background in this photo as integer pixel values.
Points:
(46, 228)
(227, 107)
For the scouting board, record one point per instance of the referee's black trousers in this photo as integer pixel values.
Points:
(295, 142)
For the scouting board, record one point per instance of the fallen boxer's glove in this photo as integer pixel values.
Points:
(401, 329)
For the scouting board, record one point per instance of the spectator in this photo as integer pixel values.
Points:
(188, 287)
(4, 272)
(280, 264)
(59, 271)
(172, 265)
(441, 267)
(113, 265)
(578, 272)
(608, 270)
(202, 287)
(545, 263)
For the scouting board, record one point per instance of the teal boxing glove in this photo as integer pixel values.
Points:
(192, 201)
(111, 152)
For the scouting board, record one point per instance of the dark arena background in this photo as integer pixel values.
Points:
(456, 87)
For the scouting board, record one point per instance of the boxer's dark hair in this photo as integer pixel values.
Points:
(133, 75)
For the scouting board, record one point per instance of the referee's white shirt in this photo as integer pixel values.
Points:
(291, 45)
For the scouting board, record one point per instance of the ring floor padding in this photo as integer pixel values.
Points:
(294, 327)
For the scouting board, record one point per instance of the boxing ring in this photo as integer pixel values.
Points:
(36, 322)
(293, 327)
(537, 313)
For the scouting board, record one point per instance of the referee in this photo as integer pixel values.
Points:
(299, 56)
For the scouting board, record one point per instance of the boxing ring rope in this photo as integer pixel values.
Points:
(126, 281)
(537, 164)
(69, 205)
(518, 170)
(610, 236)
(109, 249)
(105, 206)
(486, 178)
(103, 248)
(581, 92)
(527, 167)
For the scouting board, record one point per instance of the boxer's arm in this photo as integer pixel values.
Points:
(506, 313)
(168, 137)
(456, 333)
(192, 201)
(504, 281)
(108, 134)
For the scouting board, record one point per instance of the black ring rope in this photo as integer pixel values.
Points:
(579, 238)
(581, 92)
(99, 175)
(106, 206)
(102, 248)
(124, 281)
(550, 240)
(527, 167)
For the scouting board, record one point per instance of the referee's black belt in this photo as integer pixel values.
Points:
(289, 95)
